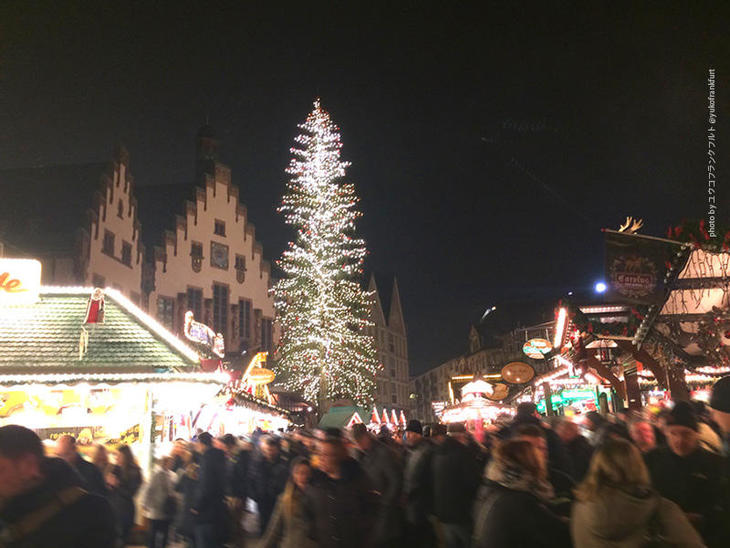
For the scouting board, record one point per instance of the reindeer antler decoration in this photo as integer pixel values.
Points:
(631, 226)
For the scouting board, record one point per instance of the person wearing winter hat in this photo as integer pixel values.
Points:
(417, 486)
(687, 474)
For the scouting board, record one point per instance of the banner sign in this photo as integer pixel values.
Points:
(20, 281)
(85, 435)
(636, 267)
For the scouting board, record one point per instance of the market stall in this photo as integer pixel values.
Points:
(90, 363)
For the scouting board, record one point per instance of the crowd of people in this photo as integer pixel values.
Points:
(629, 480)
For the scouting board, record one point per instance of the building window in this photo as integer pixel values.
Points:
(196, 255)
(98, 281)
(220, 308)
(240, 268)
(393, 398)
(120, 210)
(219, 255)
(195, 303)
(166, 311)
(127, 253)
(219, 229)
(390, 342)
(266, 335)
(392, 372)
(108, 245)
(244, 319)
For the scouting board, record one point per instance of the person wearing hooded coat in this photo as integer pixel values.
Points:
(616, 506)
(511, 510)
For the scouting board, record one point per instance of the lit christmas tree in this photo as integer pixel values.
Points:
(325, 351)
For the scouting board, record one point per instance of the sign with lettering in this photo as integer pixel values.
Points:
(537, 348)
(85, 435)
(636, 267)
(20, 281)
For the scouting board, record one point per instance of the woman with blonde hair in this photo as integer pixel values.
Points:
(511, 510)
(616, 507)
(290, 526)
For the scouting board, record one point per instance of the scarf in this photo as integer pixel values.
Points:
(516, 478)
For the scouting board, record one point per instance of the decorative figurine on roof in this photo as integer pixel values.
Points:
(94, 315)
(95, 307)
(203, 335)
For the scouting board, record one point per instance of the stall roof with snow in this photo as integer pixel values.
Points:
(344, 417)
(48, 341)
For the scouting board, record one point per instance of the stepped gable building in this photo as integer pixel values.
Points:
(206, 259)
(79, 220)
(391, 341)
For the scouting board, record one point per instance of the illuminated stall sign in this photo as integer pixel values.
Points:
(636, 267)
(204, 335)
(20, 281)
(85, 435)
(438, 407)
(517, 373)
(537, 348)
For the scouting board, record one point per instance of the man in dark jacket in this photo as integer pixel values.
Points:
(720, 412)
(686, 474)
(93, 479)
(383, 467)
(340, 502)
(237, 464)
(268, 476)
(579, 449)
(417, 487)
(527, 414)
(455, 477)
(209, 507)
(43, 502)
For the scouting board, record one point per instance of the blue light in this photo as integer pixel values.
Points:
(600, 287)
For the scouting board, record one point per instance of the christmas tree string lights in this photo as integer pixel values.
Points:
(325, 351)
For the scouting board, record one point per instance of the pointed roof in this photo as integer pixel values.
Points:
(342, 416)
(395, 315)
(379, 311)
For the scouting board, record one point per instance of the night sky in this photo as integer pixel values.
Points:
(489, 146)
